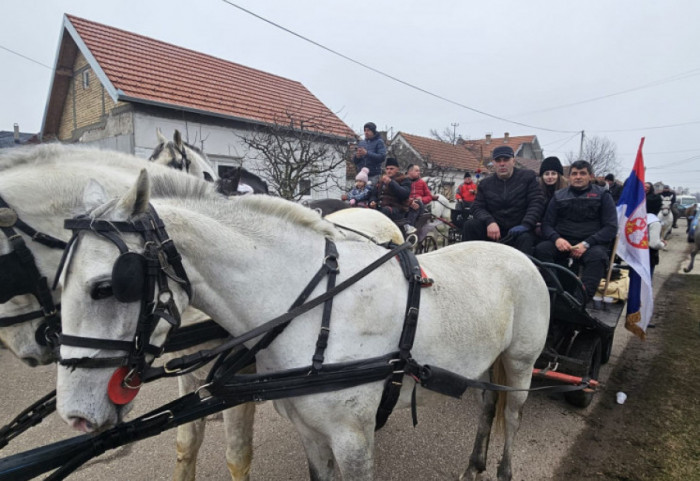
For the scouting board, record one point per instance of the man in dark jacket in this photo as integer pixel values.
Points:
(507, 206)
(614, 188)
(391, 194)
(653, 199)
(580, 222)
(370, 153)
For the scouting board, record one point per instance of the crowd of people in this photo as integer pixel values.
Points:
(557, 220)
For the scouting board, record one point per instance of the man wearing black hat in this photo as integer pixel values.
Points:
(580, 222)
(370, 153)
(507, 206)
(391, 194)
(614, 188)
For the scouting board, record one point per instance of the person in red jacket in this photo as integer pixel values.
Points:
(466, 192)
(420, 195)
(464, 198)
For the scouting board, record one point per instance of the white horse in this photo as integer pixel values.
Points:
(44, 185)
(666, 218)
(180, 155)
(442, 207)
(273, 248)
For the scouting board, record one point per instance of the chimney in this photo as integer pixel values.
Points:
(16, 133)
(505, 137)
(488, 139)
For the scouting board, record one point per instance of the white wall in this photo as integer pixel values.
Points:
(222, 144)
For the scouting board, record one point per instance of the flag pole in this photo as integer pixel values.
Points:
(610, 268)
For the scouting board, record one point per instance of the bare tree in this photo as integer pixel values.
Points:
(448, 135)
(600, 152)
(296, 156)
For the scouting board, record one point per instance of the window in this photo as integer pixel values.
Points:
(305, 187)
(86, 79)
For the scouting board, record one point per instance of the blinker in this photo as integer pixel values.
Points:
(8, 217)
(128, 277)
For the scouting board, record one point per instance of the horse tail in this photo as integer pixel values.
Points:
(498, 376)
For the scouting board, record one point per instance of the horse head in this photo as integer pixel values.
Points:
(106, 302)
(182, 156)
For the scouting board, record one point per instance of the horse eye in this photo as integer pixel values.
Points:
(101, 290)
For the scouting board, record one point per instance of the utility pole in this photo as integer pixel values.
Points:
(454, 133)
(580, 151)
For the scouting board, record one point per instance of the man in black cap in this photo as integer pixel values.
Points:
(580, 222)
(391, 194)
(507, 206)
(614, 188)
(370, 153)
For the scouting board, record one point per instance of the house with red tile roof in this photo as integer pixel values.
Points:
(528, 153)
(113, 88)
(442, 164)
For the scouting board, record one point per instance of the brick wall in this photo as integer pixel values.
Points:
(86, 105)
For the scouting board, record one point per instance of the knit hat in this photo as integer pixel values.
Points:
(363, 175)
(467, 174)
(391, 161)
(551, 163)
(610, 177)
(371, 126)
(503, 151)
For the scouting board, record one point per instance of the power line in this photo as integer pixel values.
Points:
(25, 57)
(384, 74)
(647, 128)
(673, 78)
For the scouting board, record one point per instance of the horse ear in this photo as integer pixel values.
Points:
(135, 201)
(160, 136)
(177, 138)
(94, 195)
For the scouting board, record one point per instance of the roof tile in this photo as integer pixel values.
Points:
(138, 66)
(443, 154)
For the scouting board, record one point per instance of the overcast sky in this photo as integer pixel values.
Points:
(526, 62)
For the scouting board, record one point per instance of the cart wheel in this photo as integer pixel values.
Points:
(427, 245)
(586, 347)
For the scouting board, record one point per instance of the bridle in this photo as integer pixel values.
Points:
(136, 277)
(19, 275)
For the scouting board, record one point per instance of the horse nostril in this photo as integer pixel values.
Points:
(81, 424)
(30, 361)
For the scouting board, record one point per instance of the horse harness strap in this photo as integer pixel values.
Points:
(19, 274)
(135, 277)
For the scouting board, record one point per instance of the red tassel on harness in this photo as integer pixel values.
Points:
(119, 391)
(425, 281)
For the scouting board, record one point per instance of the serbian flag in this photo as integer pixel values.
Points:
(633, 248)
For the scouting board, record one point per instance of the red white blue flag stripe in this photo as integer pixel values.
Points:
(633, 248)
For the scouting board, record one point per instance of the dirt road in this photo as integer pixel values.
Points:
(437, 449)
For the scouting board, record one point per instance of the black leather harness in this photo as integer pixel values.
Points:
(19, 274)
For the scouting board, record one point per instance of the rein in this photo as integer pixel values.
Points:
(19, 275)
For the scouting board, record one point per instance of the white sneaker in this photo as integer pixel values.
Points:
(409, 229)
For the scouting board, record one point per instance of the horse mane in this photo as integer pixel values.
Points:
(248, 209)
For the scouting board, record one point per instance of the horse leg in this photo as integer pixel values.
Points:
(692, 259)
(477, 460)
(519, 376)
(238, 426)
(189, 436)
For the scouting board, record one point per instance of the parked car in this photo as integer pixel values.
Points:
(683, 202)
